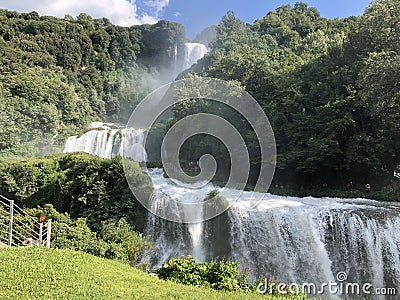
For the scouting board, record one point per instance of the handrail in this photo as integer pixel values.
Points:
(21, 225)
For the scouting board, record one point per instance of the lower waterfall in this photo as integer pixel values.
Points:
(292, 239)
(174, 239)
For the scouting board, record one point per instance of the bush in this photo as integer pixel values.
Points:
(221, 275)
(216, 203)
(217, 228)
(116, 240)
(125, 243)
(70, 234)
(79, 184)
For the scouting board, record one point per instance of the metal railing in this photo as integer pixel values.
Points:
(19, 229)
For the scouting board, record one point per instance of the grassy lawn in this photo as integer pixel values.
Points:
(41, 273)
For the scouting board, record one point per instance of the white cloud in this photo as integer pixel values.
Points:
(157, 6)
(120, 12)
(177, 14)
(147, 19)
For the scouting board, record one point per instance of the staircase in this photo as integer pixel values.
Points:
(19, 229)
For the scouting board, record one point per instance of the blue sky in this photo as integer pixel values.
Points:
(194, 15)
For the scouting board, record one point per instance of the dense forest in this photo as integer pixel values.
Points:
(328, 87)
(58, 75)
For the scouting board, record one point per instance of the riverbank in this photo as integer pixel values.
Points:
(390, 195)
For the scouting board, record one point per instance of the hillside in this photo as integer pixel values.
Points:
(330, 89)
(58, 75)
(33, 273)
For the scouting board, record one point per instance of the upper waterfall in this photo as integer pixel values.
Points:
(193, 52)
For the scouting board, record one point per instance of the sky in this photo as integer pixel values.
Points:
(194, 15)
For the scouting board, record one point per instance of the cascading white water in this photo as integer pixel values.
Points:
(193, 52)
(293, 239)
(186, 56)
(365, 242)
(282, 236)
(108, 143)
(176, 65)
(173, 239)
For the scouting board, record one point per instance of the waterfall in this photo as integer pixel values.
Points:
(176, 63)
(185, 56)
(312, 240)
(108, 143)
(193, 52)
(365, 243)
(292, 239)
(281, 238)
(174, 239)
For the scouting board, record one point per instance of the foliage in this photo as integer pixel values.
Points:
(57, 75)
(36, 272)
(217, 275)
(79, 184)
(223, 275)
(328, 87)
(218, 227)
(389, 193)
(69, 234)
(215, 202)
(117, 241)
(125, 243)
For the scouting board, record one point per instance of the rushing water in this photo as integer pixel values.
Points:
(173, 239)
(108, 143)
(193, 52)
(293, 239)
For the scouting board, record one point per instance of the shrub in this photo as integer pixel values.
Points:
(217, 228)
(125, 243)
(216, 203)
(80, 184)
(70, 234)
(223, 275)
(116, 240)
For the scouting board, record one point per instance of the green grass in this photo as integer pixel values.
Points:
(41, 273)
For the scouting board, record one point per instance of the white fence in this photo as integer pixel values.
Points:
(19, 229)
